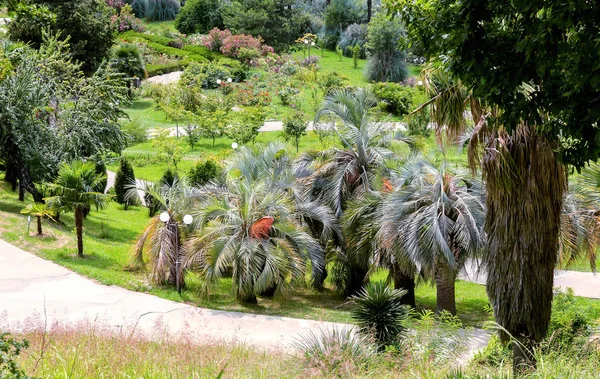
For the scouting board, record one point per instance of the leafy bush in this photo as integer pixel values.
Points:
(135, 131)
(233, 44)
(570, 324)
(162, 10)
(126, 20)
(246, 130)
(159, 69)
(289, 68)
(124, 178)
(341, 13)
(335, 350)
(386, 63)
(205, 75)
(379, 311)
(396, 98)
(199, 16)
(10, 349)
(332, 81)
(204, 172)
(287, 93)
(250, 94)
(311, 62)
(354, 34)
(169, 178)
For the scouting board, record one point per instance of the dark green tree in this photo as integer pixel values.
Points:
(199, 16)
(294, 127)
(386, 63)
(127, 60)
(124, 179)
(534, 98)
(203, 172)
(86, 22)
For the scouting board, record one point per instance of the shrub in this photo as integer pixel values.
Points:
(397, 98)
(311, 62)
(379, 310)
(249, 94)
(169, 178)
(205, 75)
(342, 13)
(10, 349)
(287, 93)
(232, 45)
(199, 16)
(386, 63)
(246, 130)
(294, 127)
(335, 350)
(159, 69)
(100, 168)
(134, 131)
(162, 10)
(214, 39)
(289, 68)
(124, 178)
(354, 34)
(204, 172)
(332, 81)
(126, 20)
(570, 324)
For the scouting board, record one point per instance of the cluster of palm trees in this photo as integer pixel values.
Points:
(374, 203)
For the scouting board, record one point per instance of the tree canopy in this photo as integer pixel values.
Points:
(539, 62)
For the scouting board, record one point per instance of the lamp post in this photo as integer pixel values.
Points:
(306, 43)
(187, 219)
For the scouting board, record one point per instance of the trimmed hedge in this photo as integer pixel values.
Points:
(160, 69)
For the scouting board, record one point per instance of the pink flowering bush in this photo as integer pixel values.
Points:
(232, 45)
(214, 39)
(126, 20)
(117, 4)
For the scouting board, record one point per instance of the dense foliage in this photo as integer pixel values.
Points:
(386, 61)
(199, 16)
(87, 23)
(162, 10)
(124, 179)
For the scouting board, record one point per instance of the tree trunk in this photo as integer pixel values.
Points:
(406, 281)
(369, 10)
(21, 193)
(39, 225)
(523, 358)
(444, 283)
(269, 292)
(79, 229)
(249, 299)
(358, 278)
(524, 185)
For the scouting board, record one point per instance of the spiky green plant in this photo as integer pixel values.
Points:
(40, 211)
(379, 311)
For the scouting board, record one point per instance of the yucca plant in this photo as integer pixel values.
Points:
(378, 311)
(40, 211)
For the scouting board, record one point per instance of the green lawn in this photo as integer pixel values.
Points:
(147, 113)
(159, 27)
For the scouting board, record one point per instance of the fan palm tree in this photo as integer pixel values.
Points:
(160, 241)
(75, 190)
(525, 183)
(40, 211)
(251, 227)
(437, 221)
(334, 176)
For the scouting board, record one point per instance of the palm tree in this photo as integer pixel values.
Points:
(75, 190)
(40, 211)
(436, 219)
(525, 184)
(334, 176)
(159, 243)
(251, 228)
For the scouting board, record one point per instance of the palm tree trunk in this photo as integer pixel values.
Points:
(79, 229)
(445, 287)
(525, 185)
(405, 281)
(39, 225)
(523, 359)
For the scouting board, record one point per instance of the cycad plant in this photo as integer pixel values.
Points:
(335, 176)
(160, 241)
(378, 311)
(250, 228)
(437, 220)
(75, 190)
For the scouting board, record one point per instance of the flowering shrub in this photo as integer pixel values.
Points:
(214, 39)
(126, 20)
(287, 93)
(311, 62)
(232, 44)
(250, 94)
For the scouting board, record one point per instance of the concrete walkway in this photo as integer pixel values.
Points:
(32, 288)
(165, 78)
(585, 284)
(110, 182)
